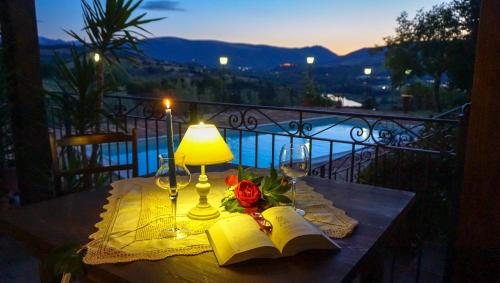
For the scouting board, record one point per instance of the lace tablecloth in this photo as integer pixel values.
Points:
(137, 211)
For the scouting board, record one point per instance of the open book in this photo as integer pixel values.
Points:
(238, 238)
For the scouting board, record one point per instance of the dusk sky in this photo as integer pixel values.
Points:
(340, 25)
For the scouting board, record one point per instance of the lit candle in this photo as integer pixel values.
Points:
(170, 145)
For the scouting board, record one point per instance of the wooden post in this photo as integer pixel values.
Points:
(477, 243)
(24, 89)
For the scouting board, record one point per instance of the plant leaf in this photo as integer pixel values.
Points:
(257, 180)
(280, 189)
(273, 174)
(240, 173)
(281, 198)
(266, 186)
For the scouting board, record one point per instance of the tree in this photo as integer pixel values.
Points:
(432, 43)
(77, 109)
(461, 69)
(111, 31)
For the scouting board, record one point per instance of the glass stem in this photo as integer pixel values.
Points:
(294, 181)
(173, 199)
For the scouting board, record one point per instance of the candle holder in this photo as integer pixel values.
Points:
(163, 180)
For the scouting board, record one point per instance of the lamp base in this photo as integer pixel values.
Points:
(203, 210)
(203, 213)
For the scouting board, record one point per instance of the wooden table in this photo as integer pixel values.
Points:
(71, 218)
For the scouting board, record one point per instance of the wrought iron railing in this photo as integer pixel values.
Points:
(341, 143)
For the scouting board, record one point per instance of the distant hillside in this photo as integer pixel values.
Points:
(207, 52)
(257, 57)
(363, 57)
(45, 41)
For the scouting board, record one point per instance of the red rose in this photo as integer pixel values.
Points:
(231, 180)
(247, 193)
(284, 181)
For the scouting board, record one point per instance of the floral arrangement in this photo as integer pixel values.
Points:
(249, 193)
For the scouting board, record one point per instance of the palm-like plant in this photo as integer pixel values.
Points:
(111, 30)
(78, 93)
(77, 107)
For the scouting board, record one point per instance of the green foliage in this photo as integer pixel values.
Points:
(77, 98)
(422, 96)
(399, 59)
(65, 259)
(434, 42)
(433, 176)
(76, 105)
(111, 31)
(112, 28)
(73, 159)
(272, 190)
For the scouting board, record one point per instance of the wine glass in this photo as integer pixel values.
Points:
(294, 163)
(182, 177)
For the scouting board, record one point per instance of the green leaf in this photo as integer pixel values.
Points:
(266, 186)
(273, 174)
(280, 189)
(257, 180)
(233, 206)
(240, 173)
(281, 198)
(66, 259)
(271, 199)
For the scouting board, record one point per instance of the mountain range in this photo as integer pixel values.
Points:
(256, 57)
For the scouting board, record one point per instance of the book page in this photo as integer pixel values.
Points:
(287, 225)
(238, 238)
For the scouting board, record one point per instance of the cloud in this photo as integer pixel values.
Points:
(162, 5)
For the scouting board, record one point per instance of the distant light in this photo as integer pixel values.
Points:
(97, 57)
(367, 71)
(310, 60)
(223, 60)
(384, 87)
(408, 72)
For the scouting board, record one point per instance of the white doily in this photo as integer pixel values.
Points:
(138, 211)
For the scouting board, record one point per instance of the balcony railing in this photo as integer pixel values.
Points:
(342, 144)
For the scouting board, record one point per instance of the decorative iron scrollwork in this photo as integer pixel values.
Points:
(152, 110)
(120, 110)
(249, 121)
(358, 133)
(300, 129)
(383, 130)
(235, 121)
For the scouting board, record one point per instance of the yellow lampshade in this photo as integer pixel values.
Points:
(203, 145)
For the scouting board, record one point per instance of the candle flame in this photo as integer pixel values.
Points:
(166, 101)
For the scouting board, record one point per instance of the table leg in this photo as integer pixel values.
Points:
(373, 271)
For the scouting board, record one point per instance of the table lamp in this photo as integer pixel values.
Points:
(203, 145)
